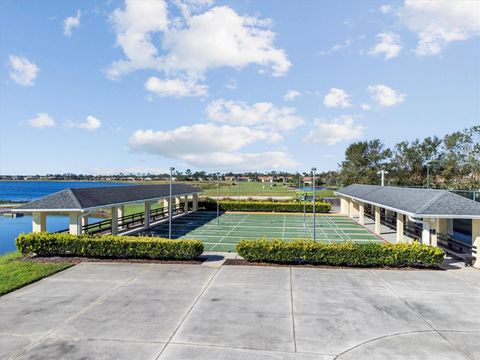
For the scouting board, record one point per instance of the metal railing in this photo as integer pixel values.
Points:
(129, 222)
(458, 249)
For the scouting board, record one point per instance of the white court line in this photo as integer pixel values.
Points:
(220, 241)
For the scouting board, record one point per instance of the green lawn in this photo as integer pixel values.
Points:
(228, 188)
(15, 273)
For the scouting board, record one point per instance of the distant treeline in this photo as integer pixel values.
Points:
(450, 162)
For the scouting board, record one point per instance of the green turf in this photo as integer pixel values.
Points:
(223, 234)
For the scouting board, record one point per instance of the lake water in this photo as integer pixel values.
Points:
(31, 190)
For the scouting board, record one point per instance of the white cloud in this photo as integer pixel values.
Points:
(438, 23)
(386, 96)
(231, 84)
(190, 46)
(221, 37)
(41, 120)
(342, 128)
(188, 7)
(365, 107)
(385, 9)
(70, 23)
(91, 123)
(260, 115)
(22, 71)
(291, 95)
(175, 87)
(244, 161)
(345, 44)
(134, 26)
(209, 145)
(198, 139)
(337, 98)
(389, 45)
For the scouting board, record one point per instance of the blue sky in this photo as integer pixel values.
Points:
(139, 86)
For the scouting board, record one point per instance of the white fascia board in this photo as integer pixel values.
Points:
(46, 210)
(429, 216)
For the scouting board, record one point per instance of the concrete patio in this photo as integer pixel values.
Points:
(146, 311)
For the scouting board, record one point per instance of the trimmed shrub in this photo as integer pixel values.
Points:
(108, 246)
(341, 254)
(267, 206)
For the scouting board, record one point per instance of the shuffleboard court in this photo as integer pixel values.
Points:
(224, 233)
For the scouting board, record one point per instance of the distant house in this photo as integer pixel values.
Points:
(265, 178)
(230, 178)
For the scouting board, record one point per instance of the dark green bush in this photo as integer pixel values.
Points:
(340, 254)
(108, 246)
(267, 206)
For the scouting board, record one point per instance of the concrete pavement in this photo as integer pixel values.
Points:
(193, 312)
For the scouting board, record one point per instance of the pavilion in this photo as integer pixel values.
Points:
(427, 214)
(80, 203)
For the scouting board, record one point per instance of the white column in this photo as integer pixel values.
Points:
(177, 202)
(195, 202)
(351, 209)
(343, 206)
(361, 213)
(426, 232)
(120, 214)
(83, 222)
(450, 227)
(73, 223)
(114, 211)
(400, 223)
(147, 214)
(39, 221)
(186, 203)
(476, 240)
(378, 224)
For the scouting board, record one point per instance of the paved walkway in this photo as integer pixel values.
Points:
(143, 311)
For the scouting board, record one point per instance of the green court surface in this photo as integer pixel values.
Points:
(224, 233)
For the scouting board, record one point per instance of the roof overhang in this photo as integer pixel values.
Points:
(413, 215)
(88, 209)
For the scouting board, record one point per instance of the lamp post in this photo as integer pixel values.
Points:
(314, 220)
(172, 169)
(382, 173)
(238, 187)
(218, 200)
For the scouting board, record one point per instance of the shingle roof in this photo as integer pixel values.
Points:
(415, 202)
(85, 198)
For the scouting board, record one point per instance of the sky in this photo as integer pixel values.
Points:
(138, 86)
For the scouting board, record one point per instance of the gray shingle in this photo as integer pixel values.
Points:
(414, 201)
(83, 198)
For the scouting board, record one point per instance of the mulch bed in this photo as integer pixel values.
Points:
(242, 262)
(78, 260)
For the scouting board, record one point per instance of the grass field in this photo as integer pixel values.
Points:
(233, 227)
(15, 273)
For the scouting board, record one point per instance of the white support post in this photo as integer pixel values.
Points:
(177, 202)
(378, 224)
(351, 209)
(186, 204)
(400, 226)
(39, 221)
(476, 240)
(195, 202)
(343, 206)
(361, 213)
(426, 232)
(83, 222)
(450, 227)
(148, 207)
(120, 214)
(114, 212)
(73, 223)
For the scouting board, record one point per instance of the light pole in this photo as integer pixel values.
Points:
(238, 187)
(428, 174)
(218, 200)
(382, 173)
(314, 220)
(172, 169)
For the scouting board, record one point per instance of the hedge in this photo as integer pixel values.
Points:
(267, 206)
(108, 246)
(341, 254)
